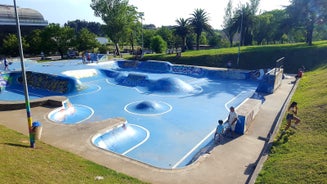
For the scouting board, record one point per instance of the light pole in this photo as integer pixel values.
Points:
(27, 101)
(141, 15)
(239, 44)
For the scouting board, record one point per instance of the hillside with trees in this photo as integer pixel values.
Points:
(244, 25)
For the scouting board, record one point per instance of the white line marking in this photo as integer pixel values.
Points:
(139, 144)
(197, 145)
(191, 151)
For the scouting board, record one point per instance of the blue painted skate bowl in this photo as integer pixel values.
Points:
(71, 115)
(122, 139)
(171, 111)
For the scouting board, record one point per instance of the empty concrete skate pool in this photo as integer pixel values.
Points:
(171, 111)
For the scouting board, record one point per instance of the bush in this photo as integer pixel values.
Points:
(158, 45)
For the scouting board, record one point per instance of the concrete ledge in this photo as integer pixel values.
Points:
(53, 101)
(246, 114)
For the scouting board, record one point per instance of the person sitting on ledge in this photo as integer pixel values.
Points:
(232, 121)
(299, 73)
(219, 131)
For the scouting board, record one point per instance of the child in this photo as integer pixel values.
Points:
(219, 130)
(292, 115)
(299, 74)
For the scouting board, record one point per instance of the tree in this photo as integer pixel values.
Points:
(277, 27)
(306, 15)
(10, 45)
(135, 32)
(158, 44)
(190, 41)
(262, 27)
(117, 16)
(215, 40)
(199, 22)
(56, 38)
(166, 34)
(182, 29)
(244, 20)
(86, 40)
(228, 23)
(78, 25)
(148, 34)
(34, 39)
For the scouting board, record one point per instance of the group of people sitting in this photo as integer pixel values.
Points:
(228, 127)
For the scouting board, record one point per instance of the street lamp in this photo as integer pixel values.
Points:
(141, 14)
(239, 44)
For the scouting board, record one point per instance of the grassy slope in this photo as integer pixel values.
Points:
(254, 57)
(300, 156)
(46, 164)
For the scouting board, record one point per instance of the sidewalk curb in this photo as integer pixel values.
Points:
(270, 137)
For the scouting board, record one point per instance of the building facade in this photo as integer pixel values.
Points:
(29, 20)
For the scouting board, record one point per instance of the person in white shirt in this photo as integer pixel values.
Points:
(232, 120)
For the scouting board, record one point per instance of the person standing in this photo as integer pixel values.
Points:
(5, 62)
(232, 121)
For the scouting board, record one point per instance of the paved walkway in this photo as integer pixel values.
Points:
(232, 161)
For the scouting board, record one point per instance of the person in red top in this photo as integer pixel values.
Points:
(300, 73)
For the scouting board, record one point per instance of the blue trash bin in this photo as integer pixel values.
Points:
(37, 129)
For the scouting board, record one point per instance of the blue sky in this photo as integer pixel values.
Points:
(157, 12)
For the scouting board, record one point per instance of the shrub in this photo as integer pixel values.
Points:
(158, 45)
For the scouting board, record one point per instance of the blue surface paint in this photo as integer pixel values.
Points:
(178, 107)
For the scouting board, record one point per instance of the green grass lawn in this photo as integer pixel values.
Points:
(253, 57)
(301, 155)
(47, 164)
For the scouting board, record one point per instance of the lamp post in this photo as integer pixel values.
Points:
(27, 101)
(239, 44)
(141, 15)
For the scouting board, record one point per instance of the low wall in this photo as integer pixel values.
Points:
(190, 70)
(54, 83)
(147, 66)
(246, 114)
(271, 81)
(52, 101)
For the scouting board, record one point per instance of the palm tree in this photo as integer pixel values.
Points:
(199, 22)
(244, 24)
(182, 29)
(228, 28)
(244, 21)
